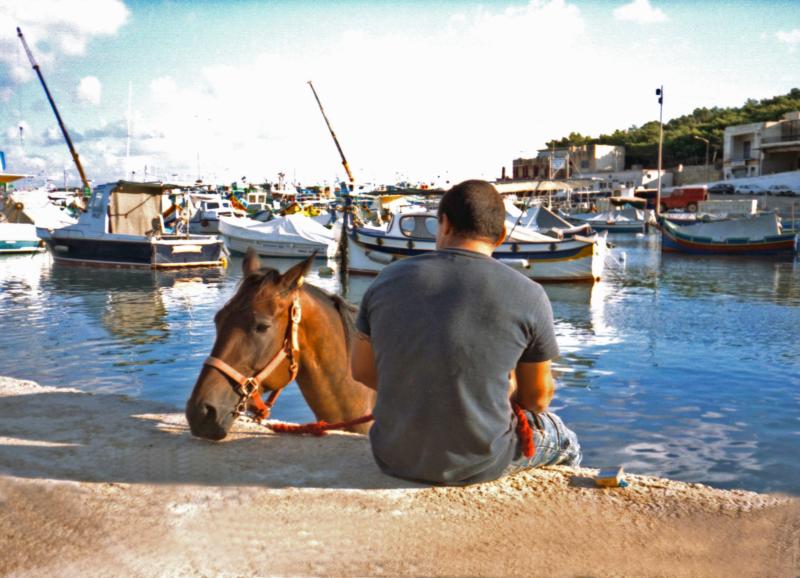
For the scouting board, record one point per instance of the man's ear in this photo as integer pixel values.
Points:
(445, 226)
(294, 277)
(251, 262)
(502, 238)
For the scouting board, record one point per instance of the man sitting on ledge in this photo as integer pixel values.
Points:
(443, 337)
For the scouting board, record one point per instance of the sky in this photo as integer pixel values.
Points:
(430, 91)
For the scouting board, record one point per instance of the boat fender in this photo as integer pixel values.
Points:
(381, 258)
(204, 223)
(552, 246)
(410, 244)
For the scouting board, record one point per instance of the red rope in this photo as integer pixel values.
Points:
(319, 428)
(524, 432)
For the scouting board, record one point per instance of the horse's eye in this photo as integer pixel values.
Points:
(262, 327)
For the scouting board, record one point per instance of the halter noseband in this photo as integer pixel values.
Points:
(248, 387)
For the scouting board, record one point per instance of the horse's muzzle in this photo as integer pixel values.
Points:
(207, 422)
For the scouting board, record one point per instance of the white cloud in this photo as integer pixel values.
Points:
(790, 37)
(640, 11)
(89, 90)
(420, 105)
(73, 24)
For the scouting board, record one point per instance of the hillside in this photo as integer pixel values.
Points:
(680, 146)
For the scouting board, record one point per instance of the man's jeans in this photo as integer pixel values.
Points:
(554, 443)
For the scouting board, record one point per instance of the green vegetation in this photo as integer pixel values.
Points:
(680, 146)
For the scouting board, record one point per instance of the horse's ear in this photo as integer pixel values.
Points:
(294, 277)
(251, 262)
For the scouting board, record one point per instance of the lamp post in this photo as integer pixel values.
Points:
(660, 95)
(705, 140)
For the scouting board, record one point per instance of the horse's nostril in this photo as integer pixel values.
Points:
(210, 412)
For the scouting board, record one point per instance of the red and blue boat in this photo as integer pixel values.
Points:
(760, 234)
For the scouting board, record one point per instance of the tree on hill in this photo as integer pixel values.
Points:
(680, 146)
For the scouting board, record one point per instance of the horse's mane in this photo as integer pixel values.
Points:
(345, 310)
(252, 284)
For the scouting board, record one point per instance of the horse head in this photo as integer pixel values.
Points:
(254, 339)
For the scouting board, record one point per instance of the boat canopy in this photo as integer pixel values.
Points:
(279, 230)
(6, 178)
(749, 228)
(134, 206)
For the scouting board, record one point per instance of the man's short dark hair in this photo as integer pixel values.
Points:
(474, 209)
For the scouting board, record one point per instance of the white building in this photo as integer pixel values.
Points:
(762, 148)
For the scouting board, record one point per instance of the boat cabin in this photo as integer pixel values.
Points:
(128, 208)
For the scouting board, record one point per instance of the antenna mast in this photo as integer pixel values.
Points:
(55, 110)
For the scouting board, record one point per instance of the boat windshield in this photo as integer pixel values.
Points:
(419, 226)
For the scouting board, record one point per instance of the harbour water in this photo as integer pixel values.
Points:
(678, 366)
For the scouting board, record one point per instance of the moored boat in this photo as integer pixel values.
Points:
(21, 212)
(760, 234)
(290, 236)
(123, 226)
(538, 256)
(629, 220)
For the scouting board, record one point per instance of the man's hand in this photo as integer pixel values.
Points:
(362, 361)
(535, 385)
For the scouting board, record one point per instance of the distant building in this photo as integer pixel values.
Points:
(570, 162)
(762, 148)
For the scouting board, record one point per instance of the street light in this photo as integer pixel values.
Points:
(705, 140)
(660, 95)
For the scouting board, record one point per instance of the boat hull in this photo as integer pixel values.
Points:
(673, 241)
(145, 253)
(19, 238)
(557, 261)
(288, 249)
(9, 246)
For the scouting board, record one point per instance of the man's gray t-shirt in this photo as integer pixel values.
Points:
(446, 329)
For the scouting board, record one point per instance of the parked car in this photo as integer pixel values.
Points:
(721, 189)
(780, 191)
(683, 198)
(750, 190)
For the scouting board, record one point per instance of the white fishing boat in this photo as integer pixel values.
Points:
(206, 210)
(124, 227)
(629, 220)
(21, 212)
(541, 257)
(290, 236)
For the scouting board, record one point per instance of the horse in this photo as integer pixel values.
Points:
(276, 328)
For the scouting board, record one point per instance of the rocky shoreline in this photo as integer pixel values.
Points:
(98, 485)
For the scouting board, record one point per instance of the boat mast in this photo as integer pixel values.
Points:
(344, 256)
(335, 140)
(75, 158)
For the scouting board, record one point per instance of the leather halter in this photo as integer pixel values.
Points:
(248, 387)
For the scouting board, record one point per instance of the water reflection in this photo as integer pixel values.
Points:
(133, 305)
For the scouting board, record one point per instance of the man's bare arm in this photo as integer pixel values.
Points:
(535, 385)
(362, 361)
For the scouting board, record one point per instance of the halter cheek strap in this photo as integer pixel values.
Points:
(248, 388)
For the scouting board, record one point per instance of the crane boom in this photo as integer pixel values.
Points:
(55, 110)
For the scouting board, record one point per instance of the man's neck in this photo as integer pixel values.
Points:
(466, 244)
